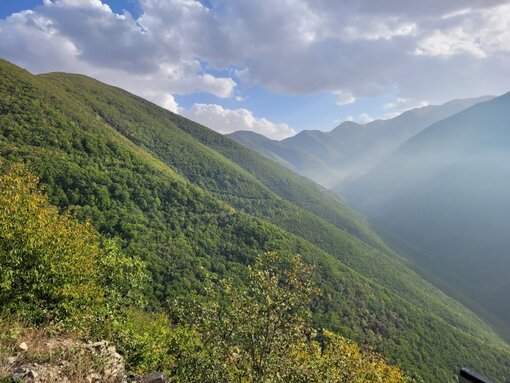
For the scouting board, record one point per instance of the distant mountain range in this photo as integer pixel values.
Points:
(445, 194)
(335, 159)
(434, 181)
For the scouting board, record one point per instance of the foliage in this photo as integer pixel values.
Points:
(260, 331)
(53, 268)
(42, 271)
(144, 339)
(336, 360)
(251, 332)
(122, 279)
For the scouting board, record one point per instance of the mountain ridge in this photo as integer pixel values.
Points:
(351, 149)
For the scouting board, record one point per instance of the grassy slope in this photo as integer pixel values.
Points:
(176, 223)
(152, 128)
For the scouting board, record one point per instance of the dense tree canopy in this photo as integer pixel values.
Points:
(51, 266)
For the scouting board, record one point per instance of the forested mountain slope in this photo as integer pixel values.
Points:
(174, 139)
(62, 283)
(335, 159)
(181, 196)
(445, 193)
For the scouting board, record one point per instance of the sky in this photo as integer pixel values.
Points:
(273, 67)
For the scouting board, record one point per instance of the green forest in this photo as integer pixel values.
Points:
(156, 212)
(56, 271)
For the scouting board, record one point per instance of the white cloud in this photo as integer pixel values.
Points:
(168, 102)
(86, 36)
(366, 49)
(429, 50)
(344, 98)
(364, 118)
(369, 28)
(480, 34)
(230, 120)
(455, 41)
(403, 104)
(389, 116)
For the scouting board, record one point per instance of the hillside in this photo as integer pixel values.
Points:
(64, 285)
(182, 197)
(335, 159)
(444, 194)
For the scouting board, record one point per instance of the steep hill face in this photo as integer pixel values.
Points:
(335, 159)
(445, 194)
(231, 172)
(183, 197)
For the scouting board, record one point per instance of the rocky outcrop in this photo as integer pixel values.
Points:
(66, 361)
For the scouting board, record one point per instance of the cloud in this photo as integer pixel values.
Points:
(365, 49)
(89, 38)
(364, 118)
(455, 41)
(403, 104)
(373, 29)
(168, 102)
(430, 50)
(389, 116)
(230, 120)
(344, 98)
(479, 34)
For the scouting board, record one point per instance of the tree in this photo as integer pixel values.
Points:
(260, 331)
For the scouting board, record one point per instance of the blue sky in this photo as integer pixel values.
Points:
(272, 67)
(312, 111)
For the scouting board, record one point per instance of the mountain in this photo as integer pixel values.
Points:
(444, 194)
(287, 154)
(272, 149)
(334, 159)
(184, 198)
